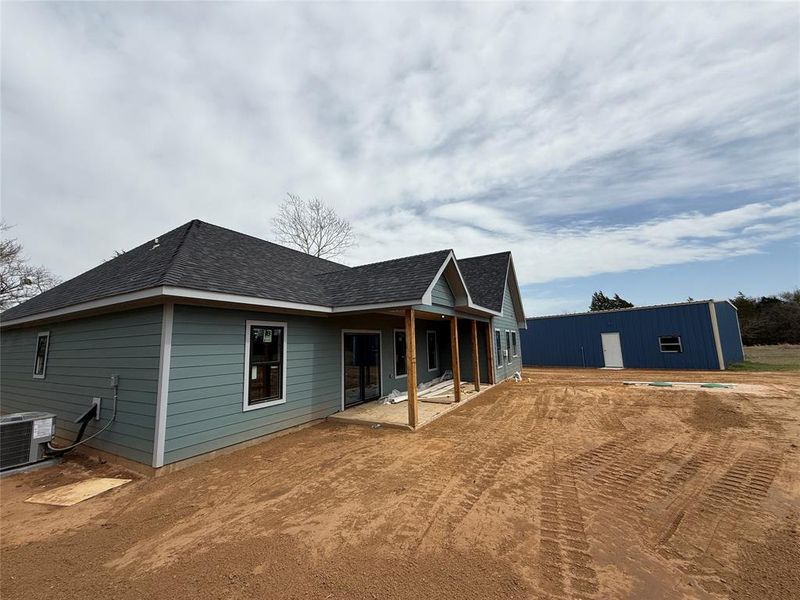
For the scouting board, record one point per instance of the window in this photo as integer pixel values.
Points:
(670, 343)
(399, 353)
(498, 347)
(265, 365)
(433, 352)
(42, 347)
(514, 343)
(508, 346)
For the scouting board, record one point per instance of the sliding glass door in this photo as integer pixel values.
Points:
(362, 359)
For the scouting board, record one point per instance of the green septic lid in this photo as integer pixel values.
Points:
(660, 384)
(716, 385)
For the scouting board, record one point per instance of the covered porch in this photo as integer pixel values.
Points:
(461, 357)
(397, 415)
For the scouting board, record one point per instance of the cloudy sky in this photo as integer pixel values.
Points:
(651, 150)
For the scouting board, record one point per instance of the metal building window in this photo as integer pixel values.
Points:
(670, 343)
(42, 348)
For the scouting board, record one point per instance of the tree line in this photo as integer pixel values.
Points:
(769, 320)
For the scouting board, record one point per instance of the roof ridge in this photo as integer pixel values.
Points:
(263, 241)
(163, 279)
(380, 262)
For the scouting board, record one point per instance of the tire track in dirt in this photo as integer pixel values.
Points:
(566, 566)
(471, 477)
(702, 535)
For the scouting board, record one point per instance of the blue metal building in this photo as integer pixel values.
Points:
(689, 335)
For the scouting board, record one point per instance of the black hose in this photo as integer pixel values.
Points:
(84, 419)
(53, 451)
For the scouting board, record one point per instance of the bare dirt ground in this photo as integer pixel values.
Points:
(566, 485)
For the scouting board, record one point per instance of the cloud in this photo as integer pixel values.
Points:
(588, 138)
(547, 254)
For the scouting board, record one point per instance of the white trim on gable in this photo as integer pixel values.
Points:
(427, 297)
(516, 295)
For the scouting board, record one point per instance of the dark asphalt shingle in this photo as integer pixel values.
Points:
(138, 269)
(206, 257)
(485, 277)
(394, 280)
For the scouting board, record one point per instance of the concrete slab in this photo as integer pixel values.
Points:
(396, 415)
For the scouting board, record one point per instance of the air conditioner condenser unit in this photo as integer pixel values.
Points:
(24, 437)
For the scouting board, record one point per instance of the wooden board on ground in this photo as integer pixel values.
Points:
(67, 495)
(438, 399)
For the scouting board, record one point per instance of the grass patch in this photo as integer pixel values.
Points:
(752, 366)
(779, 354)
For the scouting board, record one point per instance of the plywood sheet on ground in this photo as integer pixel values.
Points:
(68, 495)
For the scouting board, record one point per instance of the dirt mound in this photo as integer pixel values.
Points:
(711, 414)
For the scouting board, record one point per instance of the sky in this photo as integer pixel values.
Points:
(650, 150)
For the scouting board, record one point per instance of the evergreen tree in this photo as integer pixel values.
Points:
(602, 302)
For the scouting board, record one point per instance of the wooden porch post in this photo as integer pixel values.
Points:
(476, 365)
(411, 368)
(455, 364)
(490, 353)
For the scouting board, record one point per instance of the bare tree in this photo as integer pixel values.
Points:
(19, 281)
(313, 227)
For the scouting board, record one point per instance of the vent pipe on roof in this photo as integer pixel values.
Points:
(155, 244)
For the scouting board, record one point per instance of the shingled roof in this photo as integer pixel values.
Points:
(205, 257)
(196, 255)
(485, 277)
(395, 280)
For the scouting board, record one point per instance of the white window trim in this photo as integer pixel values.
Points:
(394, 354)
(39, 335)
(508, 343)
(661, 346)
(380, 357)
(248, 324)
(515, 339)
(428, 348)
(498, 361)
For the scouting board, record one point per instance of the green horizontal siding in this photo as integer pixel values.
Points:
(441, 294)
(83, 355)
(205, 406)
(508, 321)
(206, 387)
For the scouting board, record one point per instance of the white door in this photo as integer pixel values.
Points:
(612, 350)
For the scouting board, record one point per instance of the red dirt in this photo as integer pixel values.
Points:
(566, 485)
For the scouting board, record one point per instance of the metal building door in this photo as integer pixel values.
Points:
(612, 350)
